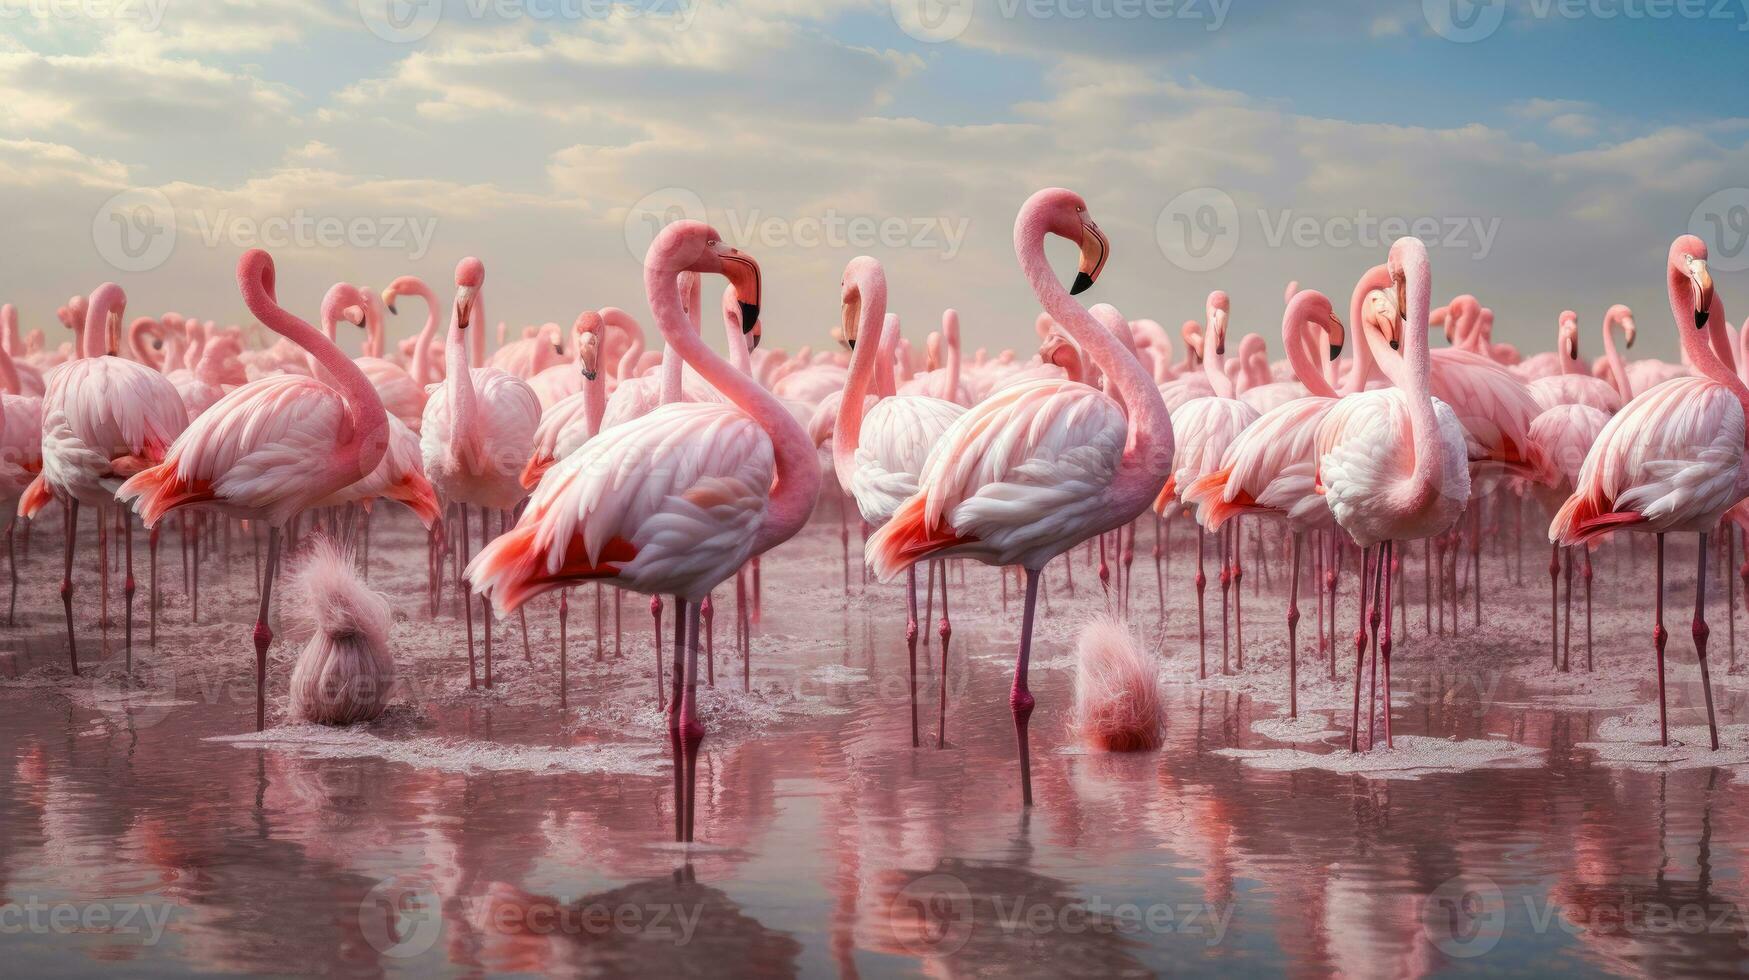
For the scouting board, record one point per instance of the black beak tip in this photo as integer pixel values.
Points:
(1700, 318)
(1396, 345)
(749, 316)
(1221, 349)
(1335, 351)
(1083, 282)
(588, 375)
(851, 344)
(391, 307)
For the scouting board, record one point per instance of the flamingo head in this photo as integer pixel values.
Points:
(864, 282)
(1619, 313)
(1216, 309)
(1408, 257)
(343, 301)
(1688, 257)
(588, 330)
(1065, 215)
(1320, 314)
(693, 246)
(470, 273)
(1192, 334)
(1568, 336)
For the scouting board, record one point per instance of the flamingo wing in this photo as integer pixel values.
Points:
(1022, 474)
(1670, 460)
(1271, 467)
(1366, 452)
(897, 435)
(1202, 428)
(259, 451)
(1495, 410)
(666, 503)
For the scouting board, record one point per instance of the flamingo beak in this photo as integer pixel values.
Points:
(1336, 335)
(353, 315)
(743, 273)
(852, 311)
(1572, 348)
(1703, 290)
(464, 305)
(1627, 323)
(589, 356)
(389, 301)
(1095, 249)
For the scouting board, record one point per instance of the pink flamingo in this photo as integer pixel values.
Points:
(30, 380)
(422, 367)
(105, 418)
(679, 500)
(879, 455)
(272, 448)
(1566, 433)
(1392, 462)
(1203, 429)
(21, 456)
(1671, 461)
(403, 397)
(1269, 468)
(1613, 367)
(477, 435)
(1572, 384)
(1039, 467)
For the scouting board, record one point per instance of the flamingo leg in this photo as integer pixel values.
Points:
(1588, 610)
(1554, 605)
(1381, 563)
(12, 566)
(677, 688)
(618, 650)
(103, 575)
(945, 630)
(911, 644)
(485, 605)
(599, 652)
(1020, 698)
(1226, 536)
(1700, 631)
(1293, 623)
(1202, 636)
(564, 675)
(929, 596)
(656, 621)
(263, 633)
(1238, 593)
(1427, 586)
(691, 730)
(1476, 560)
(67, 581)
(707, 611)
(1659, 638)
(844, 537)
(1567, 615)
(1731, 593)
(1104, 573)
(467, 607)
(1159, 575)
(128, 587)
(152, 607)
(1385, 642)
(194, 573)
(1359, 657)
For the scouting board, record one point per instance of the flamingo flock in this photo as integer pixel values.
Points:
(587, 457)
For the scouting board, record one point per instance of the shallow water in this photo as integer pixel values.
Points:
(486, 831)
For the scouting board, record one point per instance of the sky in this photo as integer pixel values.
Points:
(1547, 150)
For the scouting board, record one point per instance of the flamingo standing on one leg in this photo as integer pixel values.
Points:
(678, 500)
(1671, 460)
(1269, 468)
(105, 418)
(1041, 466)
(477, 434)
(1391, 462)
(878, 456)
(272, 448)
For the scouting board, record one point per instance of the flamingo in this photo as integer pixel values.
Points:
(677, 501)
(30, 380)
(1039, 467)
(423, 368)
(1566, 434)
(477, 433)
(272, 448)
(1671, 461)
(878, 455)
(1613, 366)
(1204, 428)
(21, 455)
(1269, 467)
(403, 397)
(1571, 384)
(1391, 462)
(105, 418)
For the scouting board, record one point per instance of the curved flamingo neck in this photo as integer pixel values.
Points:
(1148, 452)
(8, 373)
(421, 366)
(871, 315)
(9, 328)
(1700, 343)
(796, 467)
(950, 339)
(1569, 362)
(1300, 337)
(1618, 368)
(459, 384)
(1409, 372)
(361, 444)
(886, 381)
(138, 331)
(1363, 368)
(1214, 364)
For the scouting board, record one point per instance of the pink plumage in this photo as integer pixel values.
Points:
(345, 672)
(1117, 689)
